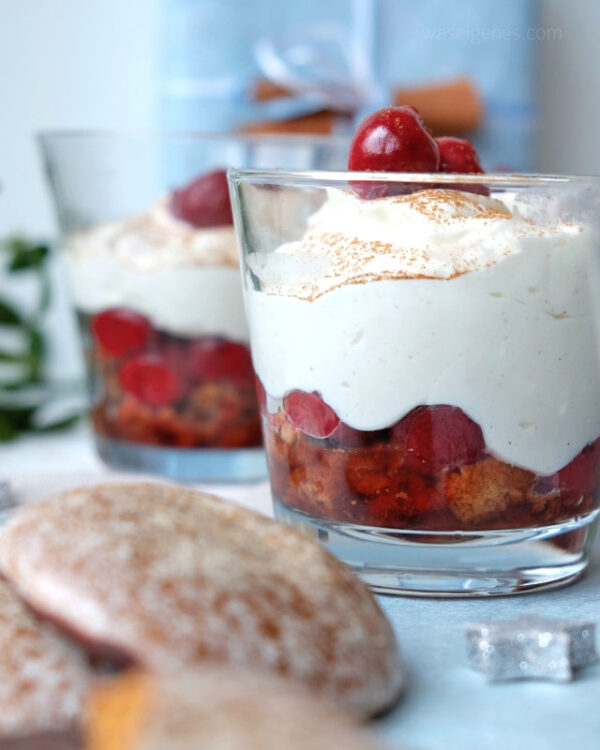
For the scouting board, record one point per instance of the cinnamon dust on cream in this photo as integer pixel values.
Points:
(436, 233)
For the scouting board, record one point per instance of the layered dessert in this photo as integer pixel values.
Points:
(160, 305)
(426, 355)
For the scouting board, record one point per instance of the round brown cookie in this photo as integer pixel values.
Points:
(216, 708)
(173, 577)
(43, 680)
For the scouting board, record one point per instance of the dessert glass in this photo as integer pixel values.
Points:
(154, 272)
(426, 349)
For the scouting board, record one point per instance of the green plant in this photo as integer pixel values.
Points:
(25, 391)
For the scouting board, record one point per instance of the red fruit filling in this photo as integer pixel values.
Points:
(429, 472)
(351, 438)
(582, 474)
(204, 202)
(309, 413)
(120, 331)
(217, 359)
(168, 390)
(149, 378)
(458, 155)
(438, 437)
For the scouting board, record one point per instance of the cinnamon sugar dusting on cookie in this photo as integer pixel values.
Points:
(44, 678)
(176, 578)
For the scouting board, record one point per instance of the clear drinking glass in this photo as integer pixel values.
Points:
(426, 349)
(151, 253)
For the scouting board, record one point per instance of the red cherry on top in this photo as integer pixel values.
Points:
(204, 202)
(393, 140)
(120, 331)
(309, 413)
(458, 155)
(149, 378)
(217, 359)
(436, 437)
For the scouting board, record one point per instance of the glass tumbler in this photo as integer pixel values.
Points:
(150, 250)
(426, 349)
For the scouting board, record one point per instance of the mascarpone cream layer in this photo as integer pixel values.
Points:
(185, 280)
(444, 298)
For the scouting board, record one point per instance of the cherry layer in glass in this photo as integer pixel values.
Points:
(153, 263)
(429, 384)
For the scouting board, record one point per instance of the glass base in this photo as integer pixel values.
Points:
(455, 564)
(185, 464)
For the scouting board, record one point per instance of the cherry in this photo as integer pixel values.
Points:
(458, 155)
(204, 202)
(351, 438)
(120, 331)
(217, 359)
(309, 413)
(435, 437)
(582, 474)
(150, 379)
(176, 354)
(394, 139)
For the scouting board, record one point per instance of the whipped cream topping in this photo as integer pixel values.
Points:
(185, 280)
(156, 240)
(437, 298)
(435, 233)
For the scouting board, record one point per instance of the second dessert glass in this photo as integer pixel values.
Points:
(153, 263)
(427, 351)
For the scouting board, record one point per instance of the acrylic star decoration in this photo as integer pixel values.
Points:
(531, 647)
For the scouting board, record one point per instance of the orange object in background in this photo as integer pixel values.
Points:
(450, 108)
(265, 90)
(320, 122)
(453, 107)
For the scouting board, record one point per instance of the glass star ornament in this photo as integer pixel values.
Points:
(531, 647)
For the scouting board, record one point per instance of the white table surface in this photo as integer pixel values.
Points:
(447, 706)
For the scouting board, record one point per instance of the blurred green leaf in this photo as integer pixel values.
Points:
(9, 315)
(16, 385)
(19, 417)
(7, 431)
(37, 351)
(37, 343)
(25, 395)
(45, 292)
(18, 358)
(23, 256)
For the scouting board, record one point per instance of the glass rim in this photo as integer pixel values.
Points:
(56, 135)
(314, 177)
